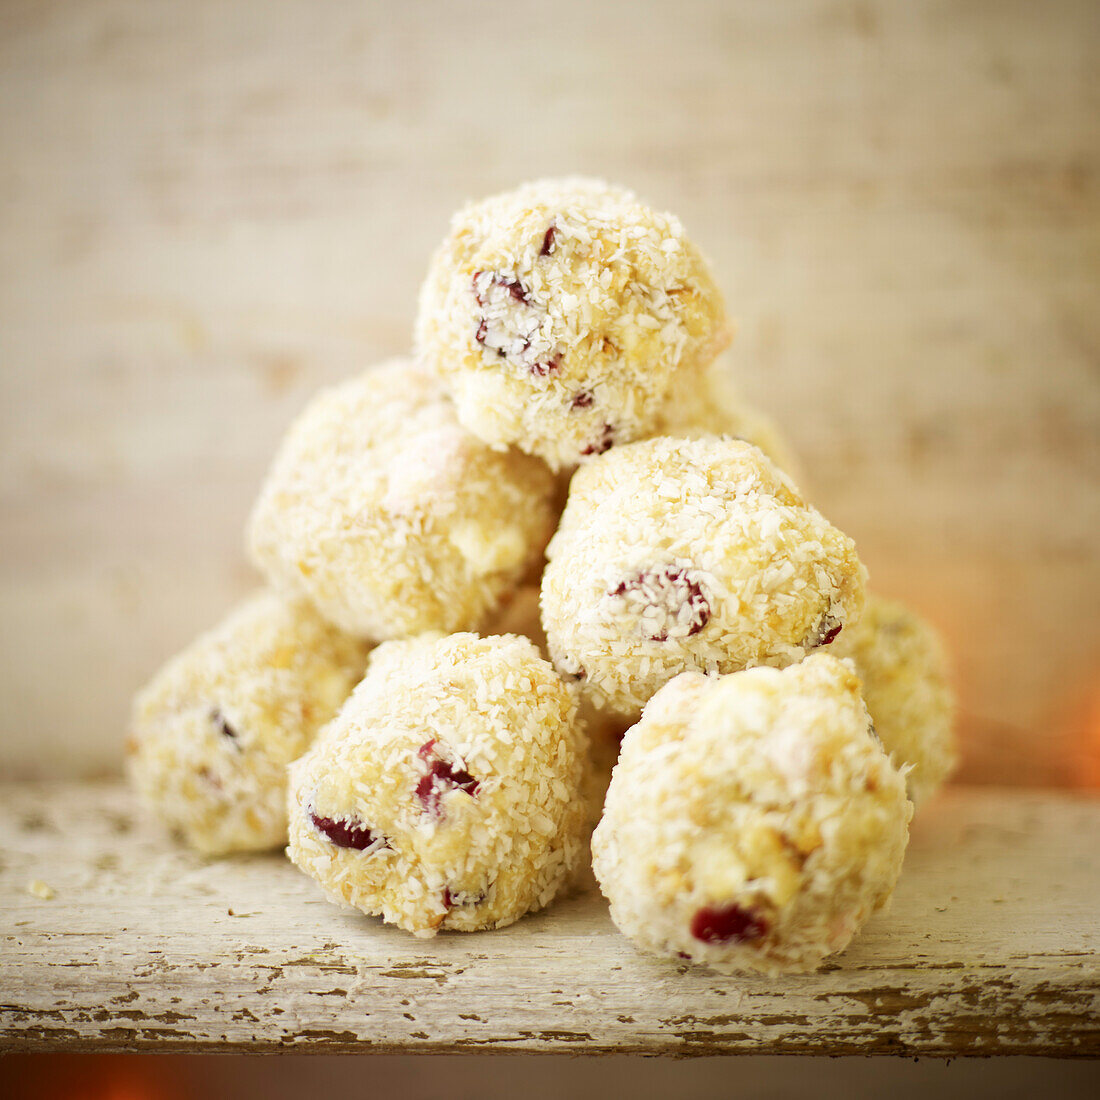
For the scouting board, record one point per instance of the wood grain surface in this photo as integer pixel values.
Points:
(208, 210)
(990, 947)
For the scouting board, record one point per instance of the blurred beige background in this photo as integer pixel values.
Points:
(207, 210)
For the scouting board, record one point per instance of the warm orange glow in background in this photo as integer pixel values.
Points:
(1087, 771)
(91, 1077)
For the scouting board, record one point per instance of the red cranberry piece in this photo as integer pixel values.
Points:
(548, 241)
(825, 632)
(547, 366)
(582, 399)
(727, 924)
(482, 335)
(672, 589)
(484, 280)
(441, 776)
(224, 728)
(461, 899)
(502, 329)
(346, 834)
(603, 443)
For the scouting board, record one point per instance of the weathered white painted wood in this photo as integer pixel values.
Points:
(990, 948)
(207, 210)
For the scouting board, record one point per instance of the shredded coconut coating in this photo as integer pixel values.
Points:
(446, 794)
(903, 666)
(712, 405)
(390, 517)
(213, 732)
(560, 314)
(520, 615)
(675, 555)
(754, 821)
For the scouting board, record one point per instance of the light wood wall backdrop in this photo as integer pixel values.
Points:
(209, 209)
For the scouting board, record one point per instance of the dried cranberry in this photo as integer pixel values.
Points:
(548, 241)
(603, 443)
(825, 632)
(674, 591)
(345, 834)
(441, 776)
(727, 924)
(483, 284)
(224, 728)
(507, 332)
(582, 399)
(547, 366)
(461, 899)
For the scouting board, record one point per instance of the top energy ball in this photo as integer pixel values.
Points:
(561, 314)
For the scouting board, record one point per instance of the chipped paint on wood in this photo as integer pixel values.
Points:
(990, 947)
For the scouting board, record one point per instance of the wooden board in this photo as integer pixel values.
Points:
(209, 210)
(990, 948)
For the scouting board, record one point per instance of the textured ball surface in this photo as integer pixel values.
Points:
(901, 661)
(446, 794)
(390, 517)
(213, 732)
(753, 822)
(520, 615)
(560, 314)
(675, 555)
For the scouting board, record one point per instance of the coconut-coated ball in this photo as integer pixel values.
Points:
(213, 732)
(754, 821)
(681, 554)
(903, 666)
(393, 519)
(561, 314)
(447, 793)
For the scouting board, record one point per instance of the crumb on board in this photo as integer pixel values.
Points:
(39, 889)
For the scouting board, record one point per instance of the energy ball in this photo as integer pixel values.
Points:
(390, 517)
(446, 794)
(754, 821)
(675, 554)
(901, 661)
(713, 406)
(213, 732)
(560, 314)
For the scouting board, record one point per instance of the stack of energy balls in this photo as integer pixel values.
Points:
(434, 735)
